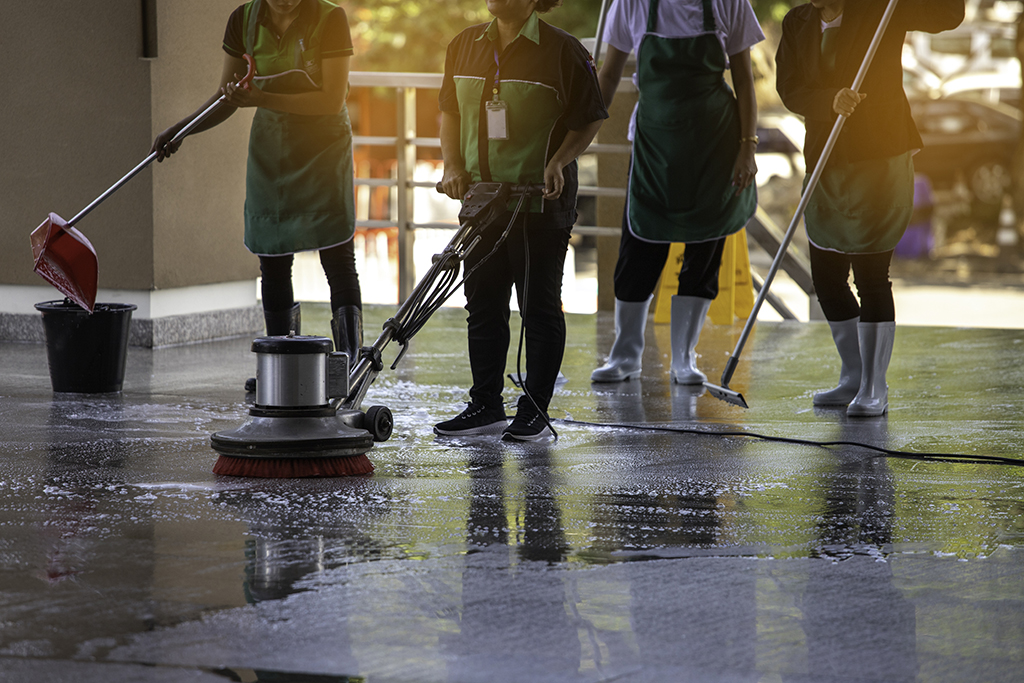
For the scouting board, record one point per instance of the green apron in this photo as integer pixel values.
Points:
(862, 207)
(686, 141)
(299, 179)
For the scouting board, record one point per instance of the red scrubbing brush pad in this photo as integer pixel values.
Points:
(287, 468)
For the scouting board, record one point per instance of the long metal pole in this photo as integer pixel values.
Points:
(600, 31)
(188, 128)
(146, 162)
(730, 366)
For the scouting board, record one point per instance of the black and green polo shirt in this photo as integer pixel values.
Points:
(320, 31)
(547, 80)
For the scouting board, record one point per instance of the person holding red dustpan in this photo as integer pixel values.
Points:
(299, 178)
(863, 202)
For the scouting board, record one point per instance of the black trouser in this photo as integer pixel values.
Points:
(488, 291)
(339, 263)
(640, 264)
(830, 271)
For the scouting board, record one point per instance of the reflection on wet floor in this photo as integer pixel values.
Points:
(612, 553)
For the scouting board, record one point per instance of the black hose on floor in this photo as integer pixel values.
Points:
(880, 452)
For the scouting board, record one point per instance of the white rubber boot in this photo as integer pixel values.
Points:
(628, 348)
(876, 340)
(688, 314)
(845, 336)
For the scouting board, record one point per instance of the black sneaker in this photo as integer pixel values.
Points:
(475, 419)
(528, 425)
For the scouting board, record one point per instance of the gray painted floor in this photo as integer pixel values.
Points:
(610, 555)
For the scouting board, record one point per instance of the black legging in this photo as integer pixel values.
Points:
(339, 264)
(830, 271)
(640, 264)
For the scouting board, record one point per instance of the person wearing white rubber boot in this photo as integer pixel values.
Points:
(876, 341)
(688, 314)
(624, 360)
(692, 171)
(864, 199)
(845, 336)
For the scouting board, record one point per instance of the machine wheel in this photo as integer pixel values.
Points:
(379, 422)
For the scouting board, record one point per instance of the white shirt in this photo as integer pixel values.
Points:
(835, 23)
(735, 25)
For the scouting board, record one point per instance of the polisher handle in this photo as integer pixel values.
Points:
(529, 189)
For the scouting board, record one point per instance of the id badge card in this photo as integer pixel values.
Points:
(497, 120)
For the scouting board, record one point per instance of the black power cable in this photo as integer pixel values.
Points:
(448, 283)
(881, 452)
(518, 380)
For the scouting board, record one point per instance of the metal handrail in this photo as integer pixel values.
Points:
(406, 142)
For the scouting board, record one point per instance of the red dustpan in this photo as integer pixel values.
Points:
(63, 255)
(67, 260)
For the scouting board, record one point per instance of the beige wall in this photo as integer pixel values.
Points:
(75, 112)
(79, 109)
(200, 192)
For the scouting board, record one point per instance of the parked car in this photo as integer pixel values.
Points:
(973, 46)
(970, 141)
(1002, 85)
(1005, 11)
(965, 140)
(988, 86)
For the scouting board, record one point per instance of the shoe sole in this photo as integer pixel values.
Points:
(543, 434)
(494, 428)
(864, 412)
(690, 381)
(614, 380)
(831, 398)
(611, 375)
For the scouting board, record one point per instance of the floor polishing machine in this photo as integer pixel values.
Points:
(309, 398)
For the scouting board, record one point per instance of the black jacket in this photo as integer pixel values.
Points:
(882, 126)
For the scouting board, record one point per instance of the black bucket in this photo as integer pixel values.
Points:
(86, 353)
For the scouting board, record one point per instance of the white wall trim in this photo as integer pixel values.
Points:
(154, 304)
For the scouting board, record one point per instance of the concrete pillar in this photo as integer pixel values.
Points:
(87, 86)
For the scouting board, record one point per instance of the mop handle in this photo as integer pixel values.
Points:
(600, 31)
(188, 128)
(806, 196)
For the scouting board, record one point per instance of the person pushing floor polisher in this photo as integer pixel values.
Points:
(519, 102)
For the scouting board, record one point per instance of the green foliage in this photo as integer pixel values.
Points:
(411, 35)
(408, 35)
(773, 10)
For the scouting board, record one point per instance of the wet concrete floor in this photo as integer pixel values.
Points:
(611, 554)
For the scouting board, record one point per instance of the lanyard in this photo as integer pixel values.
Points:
(497, 75)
